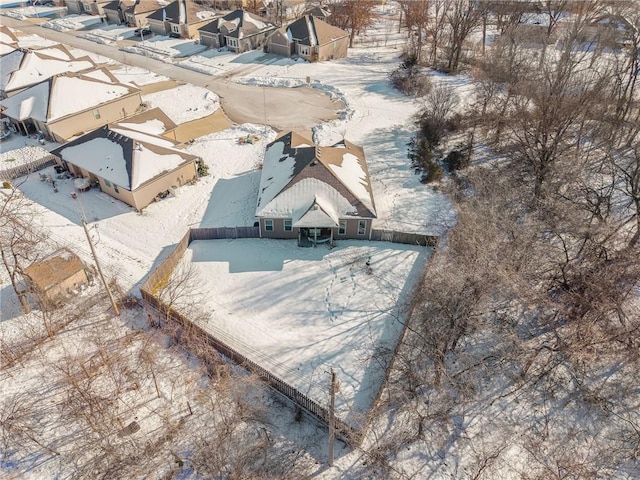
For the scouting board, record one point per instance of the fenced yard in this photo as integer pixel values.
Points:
(229, 331)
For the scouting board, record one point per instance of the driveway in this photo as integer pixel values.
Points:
(281, 108)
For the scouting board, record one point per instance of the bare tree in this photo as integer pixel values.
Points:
(462, 18)
(18, 238)
(354, 16)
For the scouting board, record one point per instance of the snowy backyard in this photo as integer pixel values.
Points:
(300, 312)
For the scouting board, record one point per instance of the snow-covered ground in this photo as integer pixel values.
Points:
(166, 48)
(184, 103)
(73, 22)
(109, 34)
(130, 244)
(299, 312)
(137, 76)
(36, 11)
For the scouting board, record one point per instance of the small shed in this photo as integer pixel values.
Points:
(57, 276)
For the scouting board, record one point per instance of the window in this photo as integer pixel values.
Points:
(96, 114)
(268, 225)
(304, 49)
(107, 182)
(287, 225)
(232, 42)
(362, 227)
(343, 227)
(87, 7)
(175, 29)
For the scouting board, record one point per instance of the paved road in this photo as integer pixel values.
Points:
(282, 108)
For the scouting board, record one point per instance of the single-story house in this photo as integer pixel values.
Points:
(239, 31)
(311, 39)
(132, 166)
(57, 276)
(132, 12)
(67, 105)
(314, 193)
(23, 68)
(180, 18)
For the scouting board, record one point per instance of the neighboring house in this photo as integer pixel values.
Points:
(180, 18)
(67, 105)
(314, 193)
(311, 39)
(239, 31)
(23, 68)
(132, 12)
(132, 166)
(74, 6)
(93, 7)
(57, 276)
(282, 11)
(319, 13)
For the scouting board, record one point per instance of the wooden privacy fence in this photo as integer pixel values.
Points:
(170, 315)
(160, 275)
(10, 173)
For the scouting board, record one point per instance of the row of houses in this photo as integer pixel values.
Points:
(310, 36)
(308, 192)
(134, 12)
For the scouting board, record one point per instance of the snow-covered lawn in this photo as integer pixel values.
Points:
(299, 312)
(166, 48)
(35, 11)
(137, 76)
(72, 22)
(218, 62)
(109, 34)
(184, 103)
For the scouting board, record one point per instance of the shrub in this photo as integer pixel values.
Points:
(432, 172)
(457, 159)
(409, 79)
(203, 168)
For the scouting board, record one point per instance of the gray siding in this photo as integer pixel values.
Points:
(279, 232)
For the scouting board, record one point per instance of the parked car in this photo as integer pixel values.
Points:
(139, 32)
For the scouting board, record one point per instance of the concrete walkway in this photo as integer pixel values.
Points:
(281, 108)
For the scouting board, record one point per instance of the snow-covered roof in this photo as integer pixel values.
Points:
(55, 269)
(6, 49)
(238, 23)
(312, 31)
(309, 183)
(153, 121)
(124, 157)
(61, 96)
(7, 36)
(22, 69)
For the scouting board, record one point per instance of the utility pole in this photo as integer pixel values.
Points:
(95, 259)
(332, 414)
